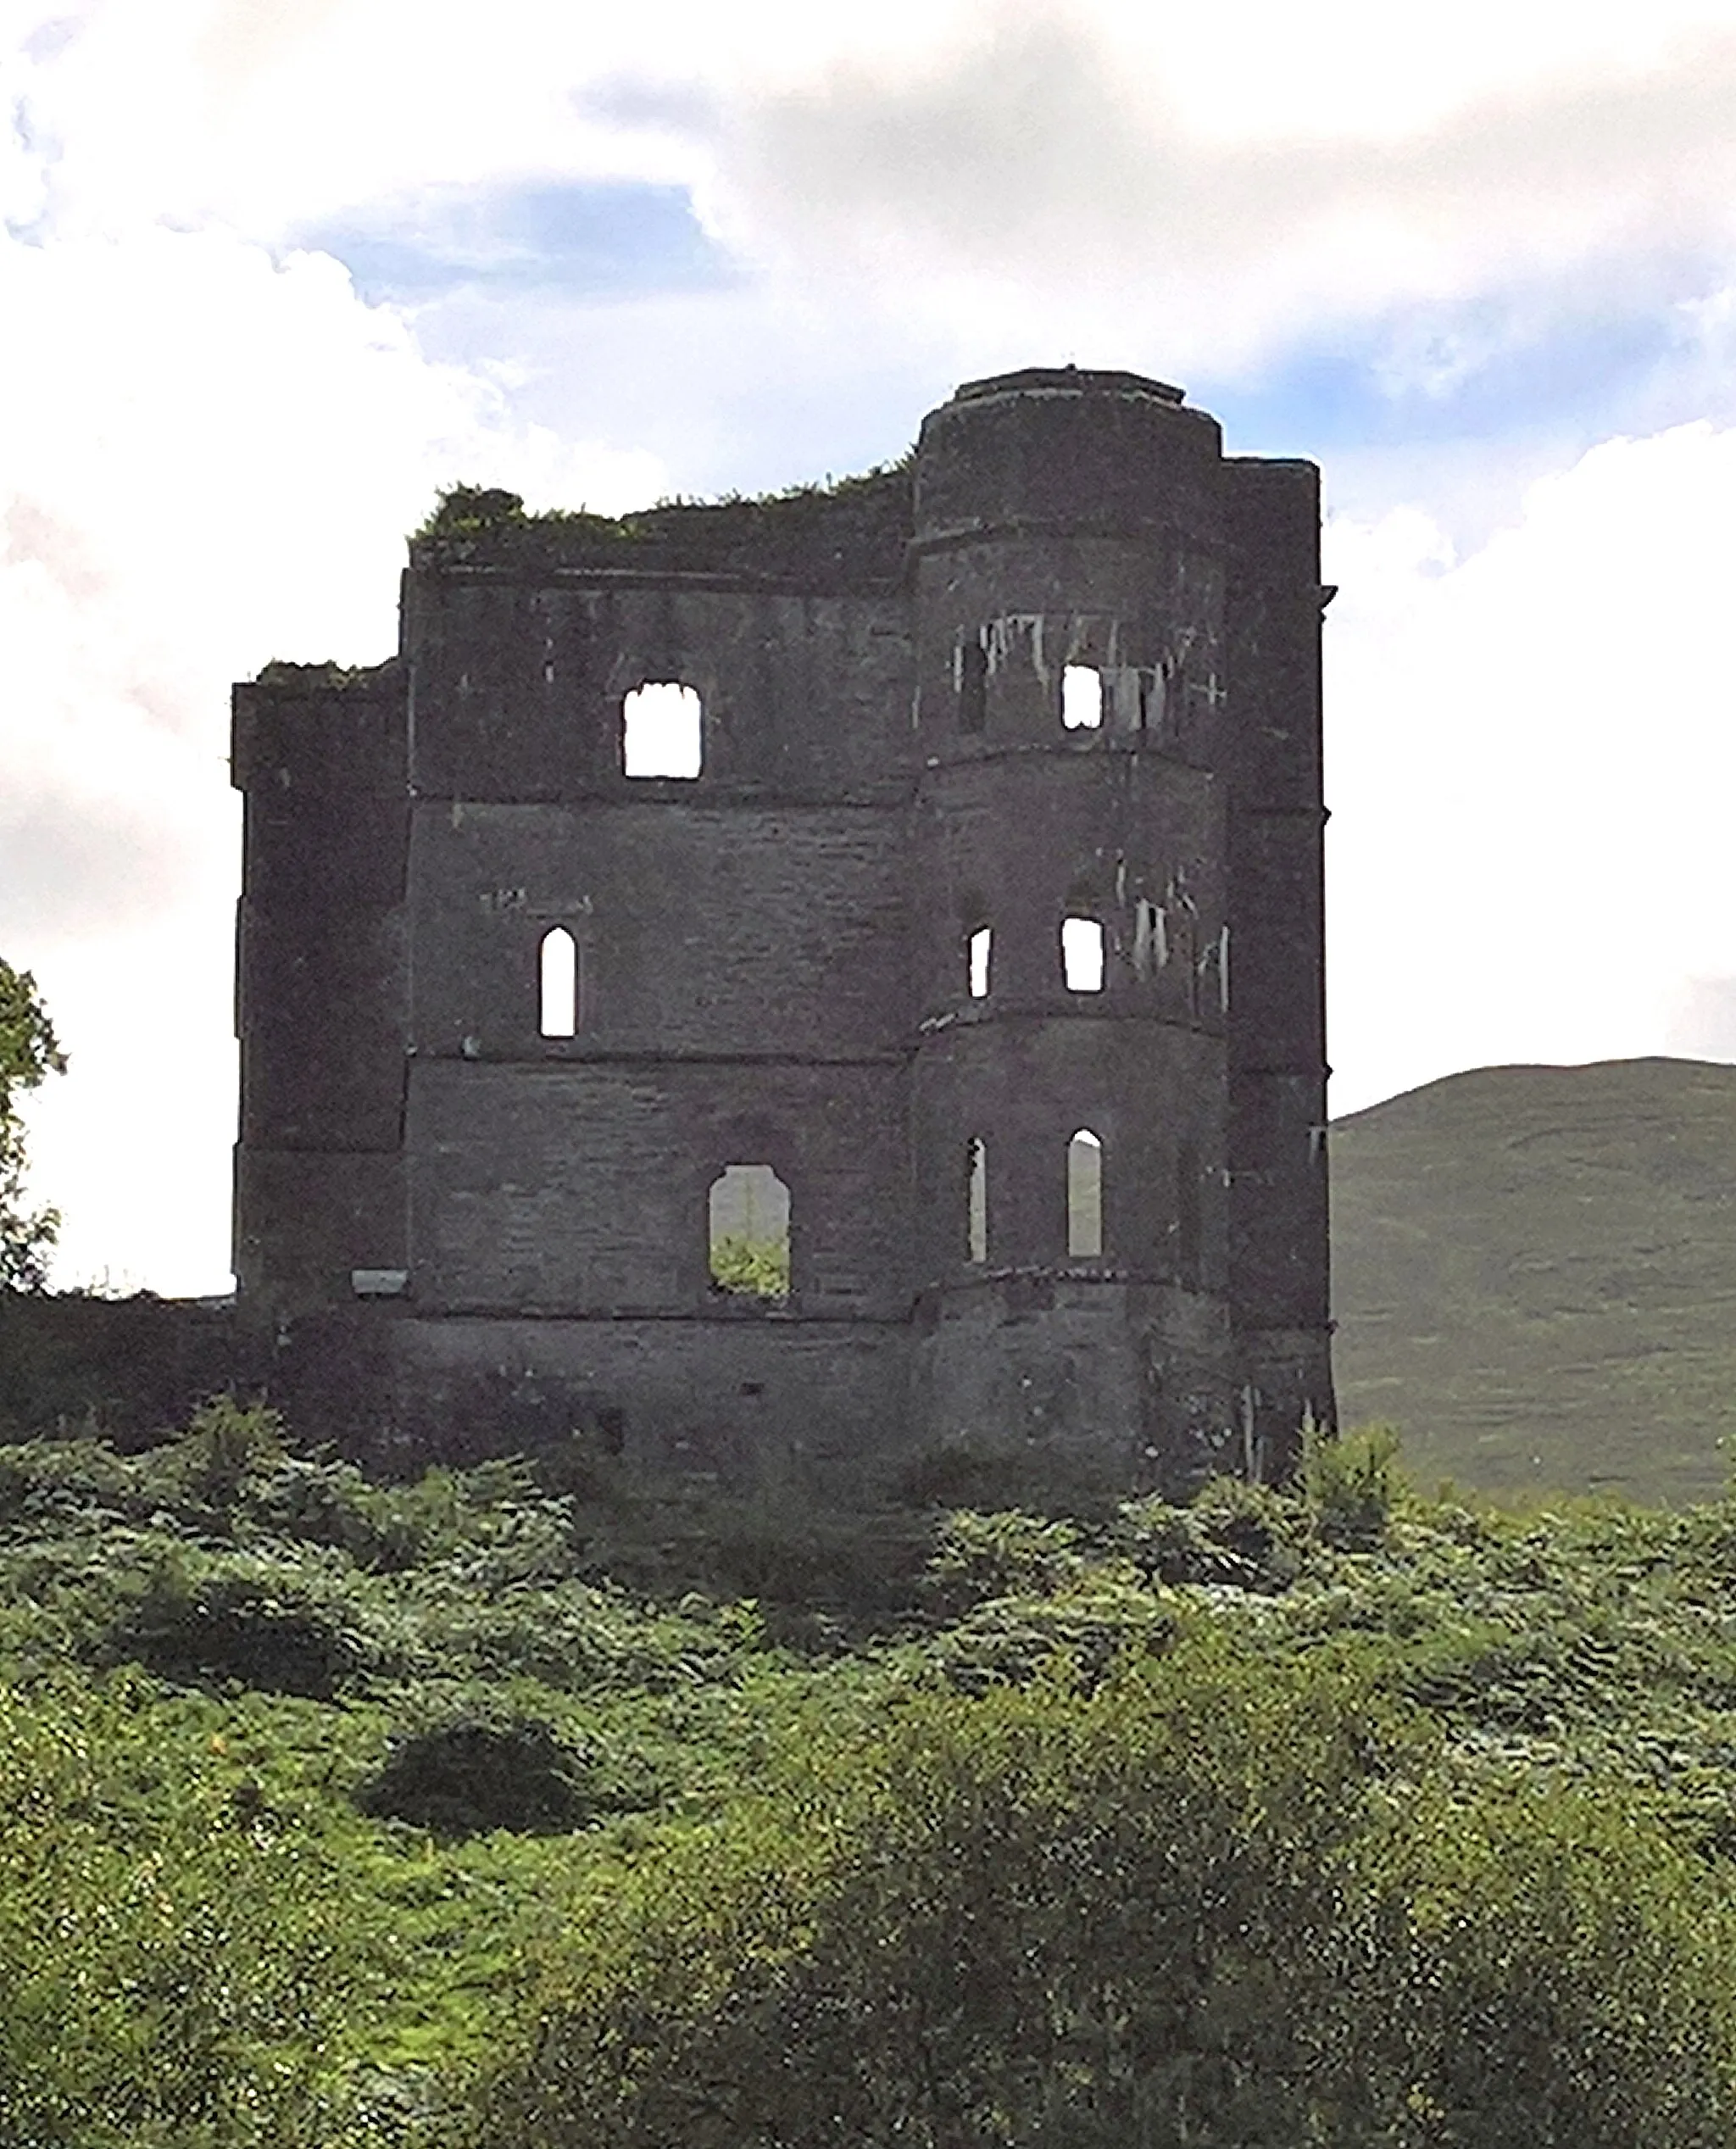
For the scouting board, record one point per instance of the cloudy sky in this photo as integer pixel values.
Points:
(272, 270)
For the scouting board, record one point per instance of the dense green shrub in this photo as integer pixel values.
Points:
(1313, 1815)
(225, 1444)
(1244, 1536)
(1551, 1971)
(1034, 1917)
(253, 1620)
(1212, 1902)
(978, 1557)
(172, 1969)
(477, 1771)
(1351, 1480)
(752, 1267)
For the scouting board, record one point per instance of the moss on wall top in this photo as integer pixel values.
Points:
(850, 534)
(325, 678)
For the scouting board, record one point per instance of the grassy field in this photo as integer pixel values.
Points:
(1535, 1275)
(338, 1815)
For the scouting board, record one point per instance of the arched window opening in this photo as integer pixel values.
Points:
(980, 948)
(976, 1201)
(1081, 697)
(1084, 1196)
(1081, 954)
(662, 731)
(973, 686)
(749, 1223)
(559, 964)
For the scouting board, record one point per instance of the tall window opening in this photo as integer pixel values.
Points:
(750, 1222)
(1153, 695)
(1081, 954)
(976, 1201)
(1151, 946)
(662, 731)
(979, 948)
(973, 686)
(559, 982)
(1081, 697)
(1084, 1196)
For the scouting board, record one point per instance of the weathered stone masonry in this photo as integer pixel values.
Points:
(773, 961)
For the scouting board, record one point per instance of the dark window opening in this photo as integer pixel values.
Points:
(1151, 946)
(976, 1201)
(973, 686)
(749, 1229)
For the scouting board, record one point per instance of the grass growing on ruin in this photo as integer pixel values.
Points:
(339, 1813)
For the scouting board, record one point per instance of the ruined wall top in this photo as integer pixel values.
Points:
(848, 537)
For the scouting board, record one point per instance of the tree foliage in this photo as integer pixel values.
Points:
(29, 1053)
(1211, 1902)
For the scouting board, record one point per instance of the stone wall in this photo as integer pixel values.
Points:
(770, 961)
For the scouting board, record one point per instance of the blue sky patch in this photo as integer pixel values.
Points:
(600, 239)
(1486, 372)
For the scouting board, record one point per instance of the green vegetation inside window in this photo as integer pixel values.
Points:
(750, 1231)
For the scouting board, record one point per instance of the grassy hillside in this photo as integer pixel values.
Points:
(335, 1815)
(1535, 1275)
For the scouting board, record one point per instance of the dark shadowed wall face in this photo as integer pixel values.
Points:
(904, 855)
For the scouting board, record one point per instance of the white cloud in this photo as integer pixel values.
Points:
(1532, 754)
(206, 459)
(1262, 179)
(210, 448)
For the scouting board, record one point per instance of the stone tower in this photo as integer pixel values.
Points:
(976, 911)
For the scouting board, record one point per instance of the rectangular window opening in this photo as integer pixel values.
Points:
(662, 731)
(1081, 954)
(1081, 697)
(981, 944)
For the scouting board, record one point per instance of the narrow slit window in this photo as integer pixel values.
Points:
(1081, 697)
(1151, 949)
(976, 1201)
(662, 731)
(980, 951)
(973, 686)
(749, 1229)
(559, 981)
(1081, 954)
(1084, 1196)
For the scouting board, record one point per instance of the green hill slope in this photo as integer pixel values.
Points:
(1535, 1275)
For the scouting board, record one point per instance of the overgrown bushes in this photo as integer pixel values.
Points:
(378, 1816)
(1214, 1902)
(481, 1770)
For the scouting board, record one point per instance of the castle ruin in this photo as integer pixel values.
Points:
(911, 887)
